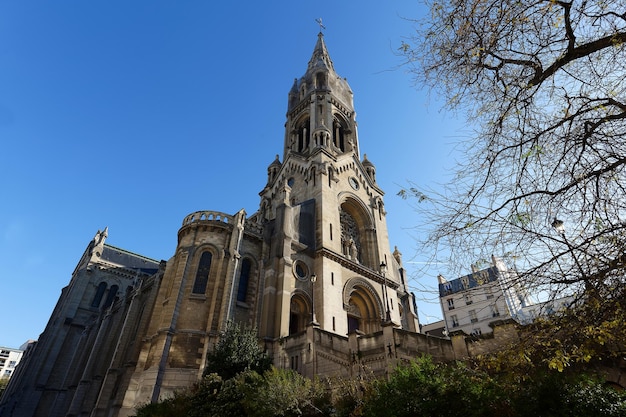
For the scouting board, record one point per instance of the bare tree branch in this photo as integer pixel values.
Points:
(544, 84)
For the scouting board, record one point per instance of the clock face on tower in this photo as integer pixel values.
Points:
(354, 183)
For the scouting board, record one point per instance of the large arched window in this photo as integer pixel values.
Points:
(202, 276)
(97, 299)
(304, 135)
(358, 235)
(244, 279)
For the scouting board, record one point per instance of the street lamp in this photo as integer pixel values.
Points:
(383, 272)
(313, 319)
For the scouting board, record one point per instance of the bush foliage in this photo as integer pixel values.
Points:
(419, 388)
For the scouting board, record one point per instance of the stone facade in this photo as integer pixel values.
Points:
(87, 334)
(312, 270)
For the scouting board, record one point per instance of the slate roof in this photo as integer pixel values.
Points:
(129, 260)
(473, 280)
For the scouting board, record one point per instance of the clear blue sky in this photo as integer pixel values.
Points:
(133, 114)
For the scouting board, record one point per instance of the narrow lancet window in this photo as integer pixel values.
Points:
(244, 279)
(304, 137)
(99, 294)
(202, 276)
(112, 297)
(338, 136)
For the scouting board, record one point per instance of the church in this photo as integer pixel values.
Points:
(312, 270)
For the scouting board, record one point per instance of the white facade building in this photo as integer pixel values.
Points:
(545, 308)
(470, 303)
(9, 358)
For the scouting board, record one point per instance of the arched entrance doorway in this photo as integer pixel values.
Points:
(299, 313)
(363, 306)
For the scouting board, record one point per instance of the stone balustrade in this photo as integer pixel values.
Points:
(205, 215)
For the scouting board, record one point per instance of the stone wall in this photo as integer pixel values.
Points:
(316, 352)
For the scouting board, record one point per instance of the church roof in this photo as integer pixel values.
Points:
(466, 282)
(129, 259)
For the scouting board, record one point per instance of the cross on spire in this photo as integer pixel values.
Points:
(319, 22)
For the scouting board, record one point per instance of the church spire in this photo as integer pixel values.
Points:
(320, 58)
(320, 114)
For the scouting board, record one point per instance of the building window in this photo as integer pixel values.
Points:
(465, 281)
(455, 321)
(304, 136)
(244, 278)
(320, 80)
(468, 299)
(99, 294)
(450, 304)
(112, 297)
(301, 270)
(339, 136)
(489, 293)
(522, 300)
(202, 276)
(472, 314)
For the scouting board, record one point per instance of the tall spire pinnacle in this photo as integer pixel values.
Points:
(320, 113)
(320, 57)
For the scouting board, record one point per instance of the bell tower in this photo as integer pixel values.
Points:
(327, 260)
(320, 114)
